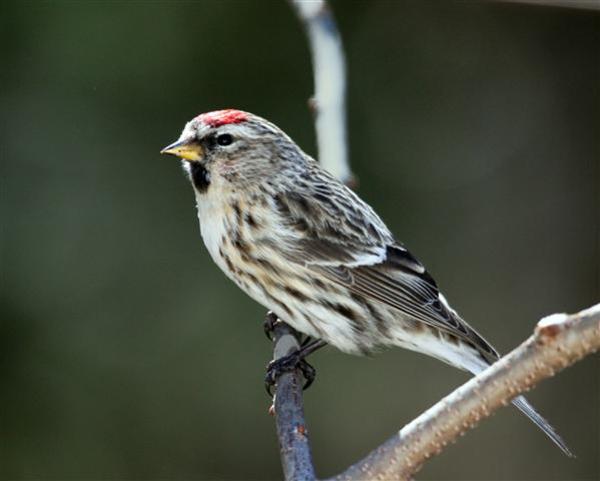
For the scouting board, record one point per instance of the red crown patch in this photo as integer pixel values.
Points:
(223, 117)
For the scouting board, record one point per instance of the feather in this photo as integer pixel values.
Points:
(374, 266)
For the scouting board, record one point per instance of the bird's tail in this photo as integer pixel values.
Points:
(485, 360)
(523, 405)
(476, 356)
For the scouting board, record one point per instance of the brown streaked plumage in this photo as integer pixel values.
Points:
(308, 248)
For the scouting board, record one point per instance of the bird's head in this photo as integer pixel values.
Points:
(232, 147)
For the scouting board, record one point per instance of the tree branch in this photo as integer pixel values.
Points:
(289, 412)
(329, 101)
(558, 341)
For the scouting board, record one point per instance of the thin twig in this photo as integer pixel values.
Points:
(292, 433)
(329, 101)
(558, 341)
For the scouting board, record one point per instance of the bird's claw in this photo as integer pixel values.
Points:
(269, 324)
(286, 364)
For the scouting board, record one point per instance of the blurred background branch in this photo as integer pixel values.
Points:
(329, 101)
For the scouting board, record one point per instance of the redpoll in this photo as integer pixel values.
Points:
(306, 247)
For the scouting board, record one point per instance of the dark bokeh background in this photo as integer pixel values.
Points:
(126, 354)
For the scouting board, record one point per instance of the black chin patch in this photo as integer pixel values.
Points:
(200, 177)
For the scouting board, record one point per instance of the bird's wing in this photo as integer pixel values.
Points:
(336, 234)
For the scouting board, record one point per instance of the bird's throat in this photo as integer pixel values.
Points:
(200, 176)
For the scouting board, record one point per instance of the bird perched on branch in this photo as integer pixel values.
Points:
(305, 246)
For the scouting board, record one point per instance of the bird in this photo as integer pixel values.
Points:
(309, 249)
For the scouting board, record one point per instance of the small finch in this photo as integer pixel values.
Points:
(306, 247)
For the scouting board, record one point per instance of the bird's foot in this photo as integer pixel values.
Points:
(269, 324)
(288, 363)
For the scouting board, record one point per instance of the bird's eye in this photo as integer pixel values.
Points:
(224, 139)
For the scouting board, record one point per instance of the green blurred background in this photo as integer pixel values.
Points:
(126, 354)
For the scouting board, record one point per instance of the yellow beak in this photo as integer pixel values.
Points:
(186, 149)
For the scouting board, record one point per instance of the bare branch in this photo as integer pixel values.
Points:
(558, 341)
(329, 101)
(289, 412)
